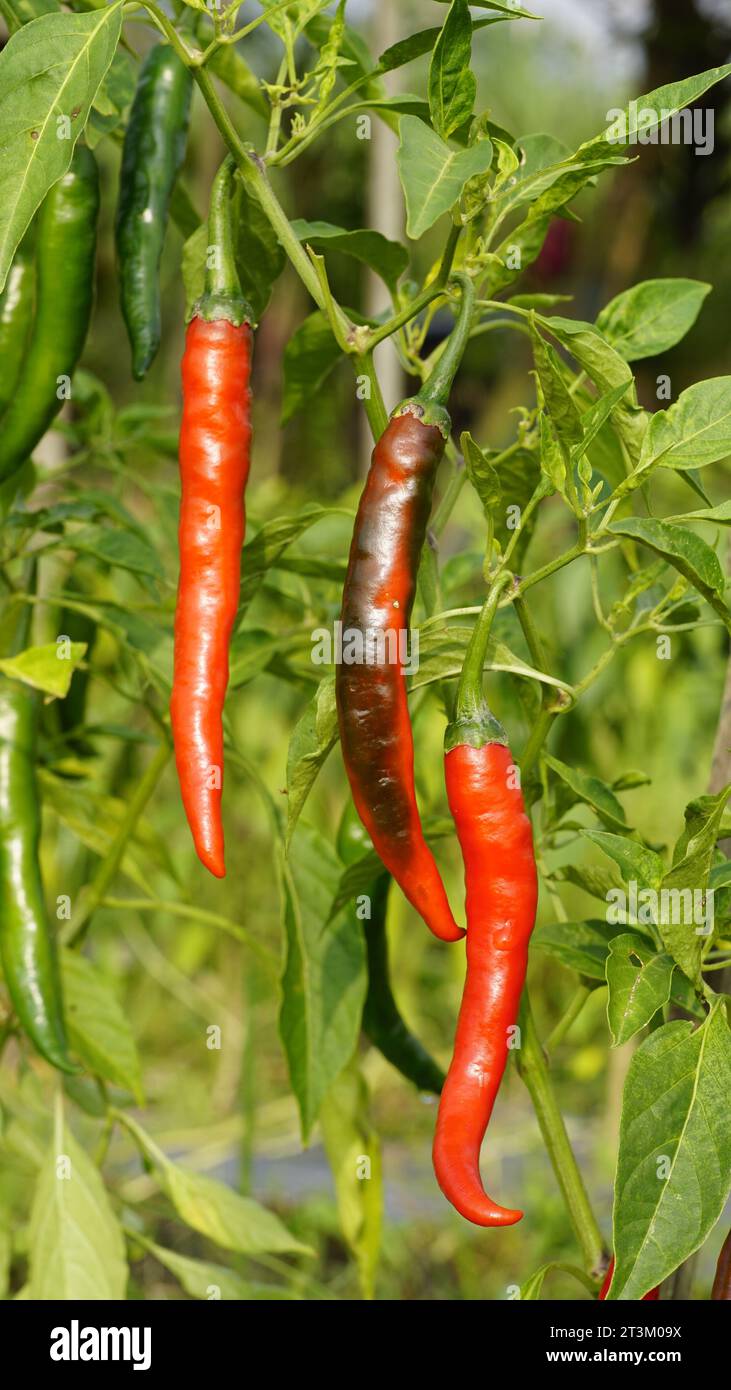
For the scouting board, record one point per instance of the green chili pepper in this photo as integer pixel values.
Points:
(154, 148)
(26, 945)
(382, 1021)
(16, 313)
(64, 264)
(80, 627)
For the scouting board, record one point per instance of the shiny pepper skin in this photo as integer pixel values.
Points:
(16, 317)
(650, 1297)
(65, 254)
(154, 149)
(214, 465)
(501, 891)
(375, 728)
(27, 950)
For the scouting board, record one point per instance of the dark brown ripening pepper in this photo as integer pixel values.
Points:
(375, 727)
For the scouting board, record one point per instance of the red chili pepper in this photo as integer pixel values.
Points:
(721, 1291)
(495, 836)
(647, 1298)
(214, 465)
(375, 727)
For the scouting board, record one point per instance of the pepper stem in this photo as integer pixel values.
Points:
(222, 296)
(474, 723)
(438, 384)
(429, 405)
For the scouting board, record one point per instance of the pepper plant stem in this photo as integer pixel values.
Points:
(470, 695)
(534, 1072)
(568, 1019)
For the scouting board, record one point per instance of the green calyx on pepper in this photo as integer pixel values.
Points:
(473, 723)
(222, 297)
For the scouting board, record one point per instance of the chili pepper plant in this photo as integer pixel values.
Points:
(304, 669)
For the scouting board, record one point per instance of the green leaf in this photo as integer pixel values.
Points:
(693, 857)
(199, 1278)
(594, 419)
(592, 792)
(580, 946)
(608, 370)
(652, 317)
(48, 668)
(685, 551)
(389, 259)
(50, 73)
(636, 863)
(416, 45)
(595, 879)
(433, 174)
(506, 8)
(252, 650)
(309, 358)
(481, 473)
(96, 819)
(519, 476)
(214, 1210)
(98, 1029)
(530, 1291)
(75, 1244)
(674, 1163)
(721, 515)
(314, 736)
(354, 1154)
(658, 105)
(271, 540)
(546, 185)
(112, 99)
(559, 403)
(223, 1216)
(693, 432)
(211, 1282)
(405, 104)
(123, 549)
(324, 980)
(452, 86)
(639, 981)
(553, 460)
(442, 653)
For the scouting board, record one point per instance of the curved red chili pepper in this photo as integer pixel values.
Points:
(375, 727)
(214, 465)
(496, 840)
(650, 1297)
(495, 836)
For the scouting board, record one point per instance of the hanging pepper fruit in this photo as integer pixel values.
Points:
(154, 149)
(375, 728)
(383, 1023)
(650, 1297)
(495, 836)
(215, 434)
(65, 237)
(26, 944)
(16, 316)
(721, 1291)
